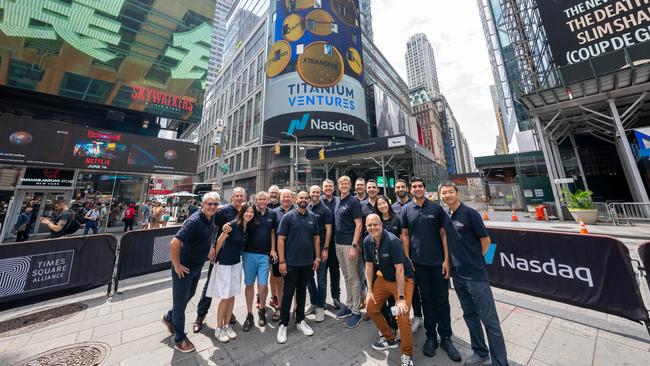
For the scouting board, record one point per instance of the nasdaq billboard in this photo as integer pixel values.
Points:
(314, 72)
(149, 56)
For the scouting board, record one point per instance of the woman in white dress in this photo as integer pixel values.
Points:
(225, 279)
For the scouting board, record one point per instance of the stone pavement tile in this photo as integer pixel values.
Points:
(575, 328)
(627, 341)
(4, 344)
(503, 310)
(30, 349)
(132, 334)
(206, 357)
(125, 324)
(524, 328)
(517, 353)
(90, 313)
(68, 327)
(609, 353)
(112, 340)
(536, 362)
(84, 335)
(561, 348)
(161, 305)
(142, 345)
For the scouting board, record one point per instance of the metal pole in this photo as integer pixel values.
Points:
(549, 167)
(582, 171)
(383, 174)
(296, 157)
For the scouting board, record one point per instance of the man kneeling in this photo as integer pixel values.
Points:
(385, 258)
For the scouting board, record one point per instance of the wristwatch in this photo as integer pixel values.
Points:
(354, 245)
(401, 297)
(326, 248)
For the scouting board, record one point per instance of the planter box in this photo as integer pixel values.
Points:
(589, 217)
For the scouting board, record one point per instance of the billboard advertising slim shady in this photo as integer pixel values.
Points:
(149, 56)
(314, 69)
(579, 30)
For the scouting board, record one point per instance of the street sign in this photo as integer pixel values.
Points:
(380, 181)
(563, 180)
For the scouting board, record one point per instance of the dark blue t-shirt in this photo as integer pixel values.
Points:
(259, 238)
(393, 225)
(465, 249)
(273, 206)
(279, 214)
(397, 206)
(325, 217)
(390, 253)
(299, 230)
(230, 252)
(225, 214)
(197, 235)
(331, 204)
(423, 224)
(347, 210)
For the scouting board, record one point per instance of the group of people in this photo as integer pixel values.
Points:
(393, 258)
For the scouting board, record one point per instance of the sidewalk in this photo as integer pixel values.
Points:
(130, 325)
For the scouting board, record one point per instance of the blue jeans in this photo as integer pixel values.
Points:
(183, 290)
(318, 293)
(91, 225)
(479, 308)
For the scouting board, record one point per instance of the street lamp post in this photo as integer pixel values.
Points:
(293, 174)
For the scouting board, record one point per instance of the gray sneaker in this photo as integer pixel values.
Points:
(475, 360)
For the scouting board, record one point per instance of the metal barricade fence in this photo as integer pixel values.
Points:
(629, 212)
(604, 215)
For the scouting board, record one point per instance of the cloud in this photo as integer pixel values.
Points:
(464, 73)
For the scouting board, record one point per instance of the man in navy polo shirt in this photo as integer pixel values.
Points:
(225, 214)
(348, 219)
(318, 290)
(471, 280)
(424, 237)
(277, 281)
(188, 251)
(299, 254)
(330, 200)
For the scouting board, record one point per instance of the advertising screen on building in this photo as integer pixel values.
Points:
(149, 56)
(392, 118)
(30, 142)
(314, 69)
(579, 30)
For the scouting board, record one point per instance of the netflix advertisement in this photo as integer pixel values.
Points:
(31, 142)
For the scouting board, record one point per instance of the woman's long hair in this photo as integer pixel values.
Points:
(240, 215)
(391, 213)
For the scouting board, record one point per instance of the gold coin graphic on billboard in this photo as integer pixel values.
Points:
(320, 65)
(346, 11)
(354, 60)
(278, 58)
(293, 5)
(292, 27)
(319, 22)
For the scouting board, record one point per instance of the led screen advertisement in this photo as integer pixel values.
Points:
(45, 143)
(392, 118)
(314, 72)
(149, 56)
(579, 30)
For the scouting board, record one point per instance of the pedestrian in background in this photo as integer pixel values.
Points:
(92, 220)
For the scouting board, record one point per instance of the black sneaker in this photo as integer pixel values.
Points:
(406, 360)
(248, 324)
(382, 344)
(448, 346)
(233, 320)
(430, 346)
(337, 304)
(261, 314)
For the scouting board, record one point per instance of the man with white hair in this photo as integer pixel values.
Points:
(274, 197)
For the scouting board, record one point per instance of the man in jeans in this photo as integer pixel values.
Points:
(471, 280)
(331, 201)
(318, 290)
(348, 221)
(188, 251)
(299, 256)
(424, 237)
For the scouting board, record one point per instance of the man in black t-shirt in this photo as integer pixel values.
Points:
(58, 225)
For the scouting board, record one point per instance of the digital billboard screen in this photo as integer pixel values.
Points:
(579, 30)
(149, 56)
(32, 142)
(314, 72)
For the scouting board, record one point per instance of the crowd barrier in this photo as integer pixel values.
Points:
(42, 269)
(644, 254)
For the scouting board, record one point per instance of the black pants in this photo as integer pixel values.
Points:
(128, 225)
(22, 236)
(417, 302)
(205, 302)
(335, 272)
(295, 281)
(434, 291)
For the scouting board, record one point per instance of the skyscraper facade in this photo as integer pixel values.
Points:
(502, 142)
(366, 18)
(421, 64)
(218, 38)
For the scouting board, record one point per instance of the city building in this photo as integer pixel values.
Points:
(365, 13)
(428, 118)
(218, 38)
(421, 64)
(502, 141)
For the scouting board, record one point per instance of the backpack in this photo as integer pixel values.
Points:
(73, 225)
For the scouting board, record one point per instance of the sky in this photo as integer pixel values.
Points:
(454, 29)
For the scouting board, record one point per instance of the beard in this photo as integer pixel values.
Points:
(401, 194)
(302, 204)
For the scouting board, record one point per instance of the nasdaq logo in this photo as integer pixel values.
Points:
(297, 124)
(489, 255)
(318, 124)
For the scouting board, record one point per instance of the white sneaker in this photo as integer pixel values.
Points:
(221, 336)
(304, 328)
(416, 324)
(230, 332)
(320, 315)
(282, 334)
(310, 309)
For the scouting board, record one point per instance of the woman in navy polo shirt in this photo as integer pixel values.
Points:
(225, 280)
(391, 221)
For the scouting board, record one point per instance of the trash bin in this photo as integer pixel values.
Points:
(539, 213)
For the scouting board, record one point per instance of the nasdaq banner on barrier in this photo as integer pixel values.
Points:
(314, 72)
(589, 271)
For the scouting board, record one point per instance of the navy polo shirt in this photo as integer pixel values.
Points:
(273, 206)
(393, 225)
(299, 230)
(331, 204)
(390, 253)
(230, 252)
(424, 224)
(225, 214)
(324, 217)
(196, 234)
(259, 238)
(397, 206)
(465, 249)
(279, 214)
(347, 209)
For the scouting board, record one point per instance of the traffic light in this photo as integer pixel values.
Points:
(276, 148)
(321, 154)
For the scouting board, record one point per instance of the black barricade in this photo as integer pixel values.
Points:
(589, 271)
(145, 251)
(41, 269)
(644, 253)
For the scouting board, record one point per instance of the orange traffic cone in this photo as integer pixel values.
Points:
(583, 228)
(514, 215)
(485, 216)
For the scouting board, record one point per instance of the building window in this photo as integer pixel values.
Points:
(246, 159)
(249, 116)
(254, 157)
(257, 116)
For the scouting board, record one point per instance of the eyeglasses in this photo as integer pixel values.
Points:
(212, 204)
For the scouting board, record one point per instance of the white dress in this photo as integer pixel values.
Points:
(225, 281)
